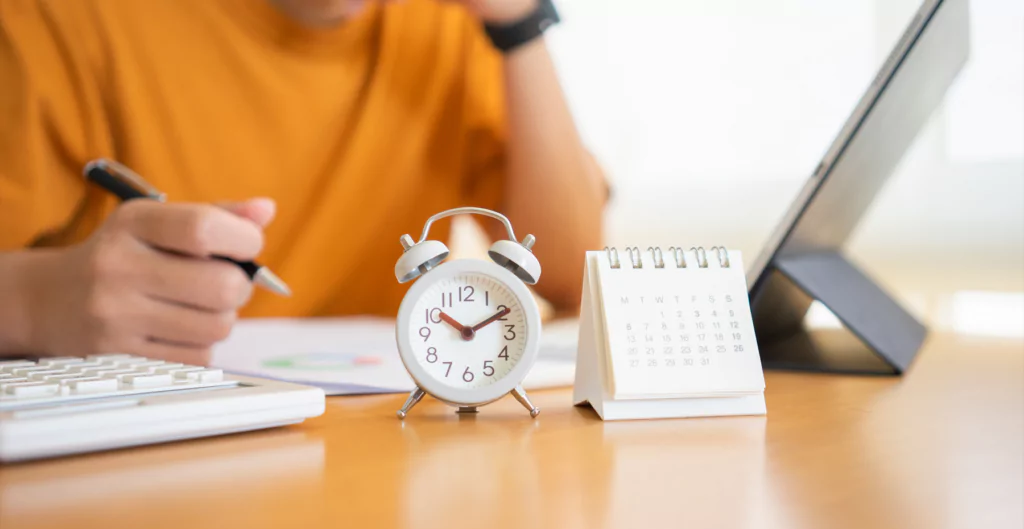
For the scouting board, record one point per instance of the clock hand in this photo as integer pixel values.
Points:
(466, 332)
(500, 314)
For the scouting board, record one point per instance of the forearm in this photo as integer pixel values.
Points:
(554, 189)
(19, 273)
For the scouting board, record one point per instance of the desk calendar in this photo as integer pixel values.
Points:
(667, 334)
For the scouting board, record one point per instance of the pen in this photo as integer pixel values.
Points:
(128, 185)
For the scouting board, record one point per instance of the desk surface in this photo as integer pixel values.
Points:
(941, 447)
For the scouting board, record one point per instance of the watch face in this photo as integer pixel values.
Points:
(467, 330)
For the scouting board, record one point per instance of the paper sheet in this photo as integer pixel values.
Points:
(347, 356)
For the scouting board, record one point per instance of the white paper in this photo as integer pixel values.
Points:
(358, 355)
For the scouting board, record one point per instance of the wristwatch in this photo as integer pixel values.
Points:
(507, 37)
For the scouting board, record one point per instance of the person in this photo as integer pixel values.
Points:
(346, 124)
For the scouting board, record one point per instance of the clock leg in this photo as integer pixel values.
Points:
(520, 395)
(414, 397)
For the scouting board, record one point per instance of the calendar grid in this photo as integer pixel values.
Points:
(679, 325)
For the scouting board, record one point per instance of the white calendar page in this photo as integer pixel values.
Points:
(678, 332)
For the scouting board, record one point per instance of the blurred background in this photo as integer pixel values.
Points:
(709, 116)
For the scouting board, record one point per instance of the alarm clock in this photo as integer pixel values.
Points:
(468, 330)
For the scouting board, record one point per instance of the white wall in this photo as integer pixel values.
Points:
(708, 115)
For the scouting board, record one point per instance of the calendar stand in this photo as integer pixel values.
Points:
(667, 335)
(880, 336)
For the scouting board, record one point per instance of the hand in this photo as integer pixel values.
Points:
(144, 283)
(466, 332)
(500, 314)
(499, 11)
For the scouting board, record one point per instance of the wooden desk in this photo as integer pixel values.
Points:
(941, 447)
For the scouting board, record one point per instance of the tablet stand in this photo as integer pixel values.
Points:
(880, 336)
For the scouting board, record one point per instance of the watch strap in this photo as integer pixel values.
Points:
(507, 37)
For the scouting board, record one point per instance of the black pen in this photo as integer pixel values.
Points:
(128, 185)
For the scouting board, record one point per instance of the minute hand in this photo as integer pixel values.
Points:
(500, 314)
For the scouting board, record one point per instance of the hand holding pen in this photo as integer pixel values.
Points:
(163, 280)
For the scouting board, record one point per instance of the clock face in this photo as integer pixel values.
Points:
(466, 330)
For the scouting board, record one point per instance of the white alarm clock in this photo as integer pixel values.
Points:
(469, 329)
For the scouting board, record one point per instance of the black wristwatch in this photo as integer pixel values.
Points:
(507, 37)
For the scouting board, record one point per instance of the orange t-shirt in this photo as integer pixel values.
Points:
(360, 132)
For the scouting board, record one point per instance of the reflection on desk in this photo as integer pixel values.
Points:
(213, 481)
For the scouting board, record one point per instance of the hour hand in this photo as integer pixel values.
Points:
(466, 332)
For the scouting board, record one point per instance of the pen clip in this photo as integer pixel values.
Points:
(126, 176)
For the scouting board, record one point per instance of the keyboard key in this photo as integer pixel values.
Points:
(106, 372)
(62, 376)
(13, 380)
(205, 375)
(41, 375)
(24, 371)
(6, 365)
(109, 356)
(99, 385)
(65, 382)
(165, 368)
(179, 369)
(61, 360)
(32, 389)
(131, 361)
(146, 381)
(86, 365)
(147, 366)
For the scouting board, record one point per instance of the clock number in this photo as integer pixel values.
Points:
(433, 313)
(467, 375)
(501, 308)
(504, 353)
(487, 298)
(510, 331)
(449, 370)
(425, 333)
(431, 354)
(487, 365)
(446, 299)
(469, 293)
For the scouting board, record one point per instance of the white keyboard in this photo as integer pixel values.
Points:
(66, 405)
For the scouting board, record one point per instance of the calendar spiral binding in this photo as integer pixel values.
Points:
(677, 253)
